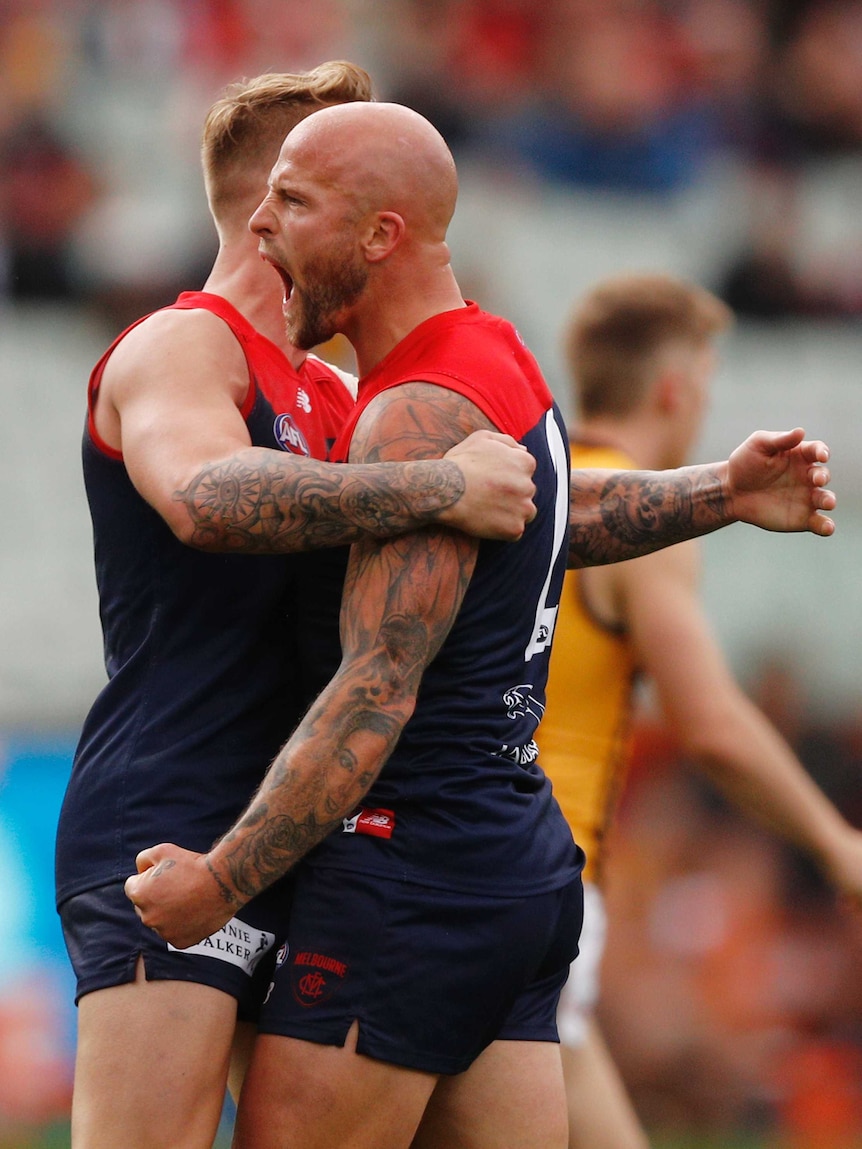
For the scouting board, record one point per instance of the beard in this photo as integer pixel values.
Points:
(333, 285)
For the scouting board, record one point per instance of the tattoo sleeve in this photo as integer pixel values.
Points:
(400, 600)
(619, 515)
(261, 502)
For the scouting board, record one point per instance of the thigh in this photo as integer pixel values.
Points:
(601, 1114)
(511, 1097)
(240, 1056)
(300, 1095)
(156, 1025)
(106, 940)
(151, 1065)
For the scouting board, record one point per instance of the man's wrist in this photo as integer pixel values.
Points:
(720, 493)
(444, 494)
(227, 893)
(706, 488)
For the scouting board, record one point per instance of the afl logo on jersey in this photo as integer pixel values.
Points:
(288, 435)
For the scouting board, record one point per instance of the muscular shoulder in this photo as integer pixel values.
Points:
(172, 347)
(170, 330)
(414, 421)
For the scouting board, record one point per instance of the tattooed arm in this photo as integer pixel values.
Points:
(263, 501)
(170, 401)
(400, 600)
(773, 480)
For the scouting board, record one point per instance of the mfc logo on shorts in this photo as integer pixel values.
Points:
(288, 435)
(237, 943)
(315, 977)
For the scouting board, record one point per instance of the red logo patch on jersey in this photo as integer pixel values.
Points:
(377, 823)
(315, 976)
(288, 435)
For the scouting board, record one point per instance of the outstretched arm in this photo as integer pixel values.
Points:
(774, 480)
(400, 601)
(170, 400)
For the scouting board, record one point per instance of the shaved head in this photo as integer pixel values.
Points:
(381, 157)
(355, 220)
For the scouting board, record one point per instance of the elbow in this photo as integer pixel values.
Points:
(702, 730)
(199, 536)
(695, 740)
(376, 704)
(184, 532)
(710, 744)
(203, 509)
(202, 527)
(384, 689)
(400, 690)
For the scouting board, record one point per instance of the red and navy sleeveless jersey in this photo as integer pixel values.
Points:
(462, 802)
(211, 658)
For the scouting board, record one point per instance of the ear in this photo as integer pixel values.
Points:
(668, 391)
(385, 233)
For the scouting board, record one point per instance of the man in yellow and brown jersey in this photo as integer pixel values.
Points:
(641, 353)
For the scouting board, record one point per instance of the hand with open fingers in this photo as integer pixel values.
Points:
(178, 895)
(777, 480)
(498, 497)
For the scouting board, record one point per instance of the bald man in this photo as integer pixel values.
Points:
(438, 893)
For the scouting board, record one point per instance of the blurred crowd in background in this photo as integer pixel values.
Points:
(731, 989)
(102, 101)
(732, 994)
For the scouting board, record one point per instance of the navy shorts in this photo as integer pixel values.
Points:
(104, 937)
(432, 976)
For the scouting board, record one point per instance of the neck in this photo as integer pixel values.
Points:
(634, 438)
(390, 312)
(241, 277)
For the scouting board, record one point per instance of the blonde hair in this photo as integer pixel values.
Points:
(616, 333)
(244, 130)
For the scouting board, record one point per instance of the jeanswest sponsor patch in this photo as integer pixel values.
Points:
(237, 943)
(377, 823)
